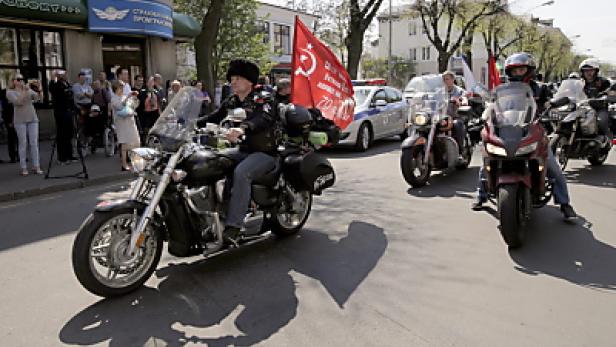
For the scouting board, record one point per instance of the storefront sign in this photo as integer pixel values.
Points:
(130, 16)
(40, 6)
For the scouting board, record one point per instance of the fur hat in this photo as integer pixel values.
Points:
(243, 68)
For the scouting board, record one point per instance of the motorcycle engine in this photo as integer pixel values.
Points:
(588, 124)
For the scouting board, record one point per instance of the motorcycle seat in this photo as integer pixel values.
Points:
(271, 178)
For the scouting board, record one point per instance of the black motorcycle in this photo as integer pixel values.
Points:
(576, 128)
(181, 197)
(430, 145)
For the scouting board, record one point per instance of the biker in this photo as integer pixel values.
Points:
(520, 67)
(456, 96)
(254, 157)
(594, 85)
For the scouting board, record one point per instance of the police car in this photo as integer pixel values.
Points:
(380, 112)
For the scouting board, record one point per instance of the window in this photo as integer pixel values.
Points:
(282, 35)
(380, 95)
(413, 54)
(30, 52)
(263, 27)
(412, 28)
(425, 53)
(393, 95)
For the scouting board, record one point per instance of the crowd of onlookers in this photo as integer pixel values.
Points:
(87, 106)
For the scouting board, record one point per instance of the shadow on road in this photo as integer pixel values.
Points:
(378, 147)
(599, 176)
(248, 293)
(566, 251)
(458, 183)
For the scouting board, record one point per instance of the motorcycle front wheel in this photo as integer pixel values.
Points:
(510, 211)
(414, 171)
(100, 254)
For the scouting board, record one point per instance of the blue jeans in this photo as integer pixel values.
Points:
(561, 194)
(250, 167)
(28, 133)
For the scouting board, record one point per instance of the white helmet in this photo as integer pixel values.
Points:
(590, 63)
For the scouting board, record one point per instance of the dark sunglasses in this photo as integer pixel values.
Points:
(19, 79)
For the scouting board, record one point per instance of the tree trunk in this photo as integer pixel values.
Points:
(443, 60)
(355, 47)
(204, 46)
(468, 44)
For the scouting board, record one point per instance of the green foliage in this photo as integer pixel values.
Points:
(239, 35)
(402, 69)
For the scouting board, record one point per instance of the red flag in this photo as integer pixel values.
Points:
(319, 80)
(493, 75)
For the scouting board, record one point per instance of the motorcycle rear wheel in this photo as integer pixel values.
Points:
(411, 163)
(510, 210)
(288, 220)
(99, 261)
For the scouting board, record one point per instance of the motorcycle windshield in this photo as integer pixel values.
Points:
(177, 122)
(573, 89)
(514, 105)
(434, 98)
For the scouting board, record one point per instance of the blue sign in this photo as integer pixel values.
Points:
(131, 16)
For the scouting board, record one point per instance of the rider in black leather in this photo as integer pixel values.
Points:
(255, 153)
(594, 85)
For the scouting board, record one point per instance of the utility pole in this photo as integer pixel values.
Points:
(389, 62)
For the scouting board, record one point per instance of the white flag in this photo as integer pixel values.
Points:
(468, 74)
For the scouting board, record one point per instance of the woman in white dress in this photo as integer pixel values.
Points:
(124, 121)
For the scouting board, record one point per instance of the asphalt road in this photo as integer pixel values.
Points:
(377, 265)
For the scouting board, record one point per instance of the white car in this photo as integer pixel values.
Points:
(380, 112)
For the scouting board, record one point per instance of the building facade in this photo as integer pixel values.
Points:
(278, 24)
(39, 37)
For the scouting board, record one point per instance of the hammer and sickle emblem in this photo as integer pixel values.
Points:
(303, 57)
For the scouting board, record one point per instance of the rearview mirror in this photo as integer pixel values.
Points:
(559, 102)
(380, 103)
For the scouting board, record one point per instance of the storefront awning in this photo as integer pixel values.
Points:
(74, 13)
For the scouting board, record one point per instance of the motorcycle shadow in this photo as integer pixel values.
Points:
(382, 146)
(239, 298)
(457, 183)
(566, 251)
(598, 176)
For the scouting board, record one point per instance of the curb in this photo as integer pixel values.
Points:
(81, 183)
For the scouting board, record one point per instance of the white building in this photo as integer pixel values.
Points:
(279, 25)
(410, 41)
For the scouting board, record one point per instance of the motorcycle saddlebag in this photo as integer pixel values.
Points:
(309, 172)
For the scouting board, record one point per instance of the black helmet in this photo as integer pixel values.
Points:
(522, 59)
(296, 119)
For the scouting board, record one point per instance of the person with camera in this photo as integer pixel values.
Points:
(63, 108)
(26, 121)
(124, 120)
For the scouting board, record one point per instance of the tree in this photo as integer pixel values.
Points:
(500, 32)
(435, 13)
(359, 21)
(402, 69)
(333, 25)
(229, 29)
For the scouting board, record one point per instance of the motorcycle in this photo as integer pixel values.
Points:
(181, 196)
(576, 132)
(515, 156)
(430, 144)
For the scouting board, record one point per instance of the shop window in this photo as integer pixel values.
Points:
(36, 54)
(282, 39)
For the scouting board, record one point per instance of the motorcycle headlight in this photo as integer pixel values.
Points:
(420, 119)
(526, 149)
(496, 150)
(143, 158)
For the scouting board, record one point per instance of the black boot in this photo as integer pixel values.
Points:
(478, 204)
(230, 235)
(568, 212)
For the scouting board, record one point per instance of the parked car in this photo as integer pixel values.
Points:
(380, 112)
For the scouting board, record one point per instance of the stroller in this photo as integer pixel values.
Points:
(98, 132)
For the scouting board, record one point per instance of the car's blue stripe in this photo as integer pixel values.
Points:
(375, 111)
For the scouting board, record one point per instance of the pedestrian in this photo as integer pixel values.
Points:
(283, 91)
(138, 85)
(101, 99)
(7, 117)
(63, 111)
(124, 121)
(124, 77)
(149, 106)
(26, 121)
(202, 93)
(174, 90)
(160, 90)
(82, 95)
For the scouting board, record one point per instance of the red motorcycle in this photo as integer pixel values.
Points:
(515, 155)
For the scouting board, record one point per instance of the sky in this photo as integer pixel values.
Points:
(593, 20)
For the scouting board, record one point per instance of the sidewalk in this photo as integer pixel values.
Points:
(13, 186)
